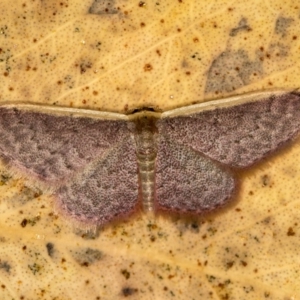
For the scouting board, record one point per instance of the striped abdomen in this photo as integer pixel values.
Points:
(146, 155)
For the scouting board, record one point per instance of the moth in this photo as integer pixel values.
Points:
(102, 166)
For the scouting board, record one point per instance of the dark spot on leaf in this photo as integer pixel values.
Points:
(50, 249)
(282, 25)
(223, 75)
(87, 256)
(127, 291)
(148, 67)
(194, 227)
(125, 273)
(103, 7)
(84, 66)
(5, 266)
(265, 179)
(152, 238)
(244, 263)
(4, 178)
(35, 268)
(242, 26)
(24, 223)
(291, 232)
(27, 194)
(229, 264)
(87, 235)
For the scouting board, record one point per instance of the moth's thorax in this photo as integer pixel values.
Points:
(146, 150)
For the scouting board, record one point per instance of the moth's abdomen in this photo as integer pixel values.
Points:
(146, 155)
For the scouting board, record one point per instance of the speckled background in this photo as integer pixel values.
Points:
(122, 55)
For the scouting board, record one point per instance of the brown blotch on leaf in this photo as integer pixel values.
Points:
(127, 291)
(265, 179)
(125, 273)
(148, 68)
(229, 264)
(24, 223)
(152, 238)
(243, 263)
(291, 232)
(84, 66)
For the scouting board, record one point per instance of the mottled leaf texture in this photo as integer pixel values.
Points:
(91, 160)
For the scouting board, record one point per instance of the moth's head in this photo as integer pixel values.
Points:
(144, 116)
